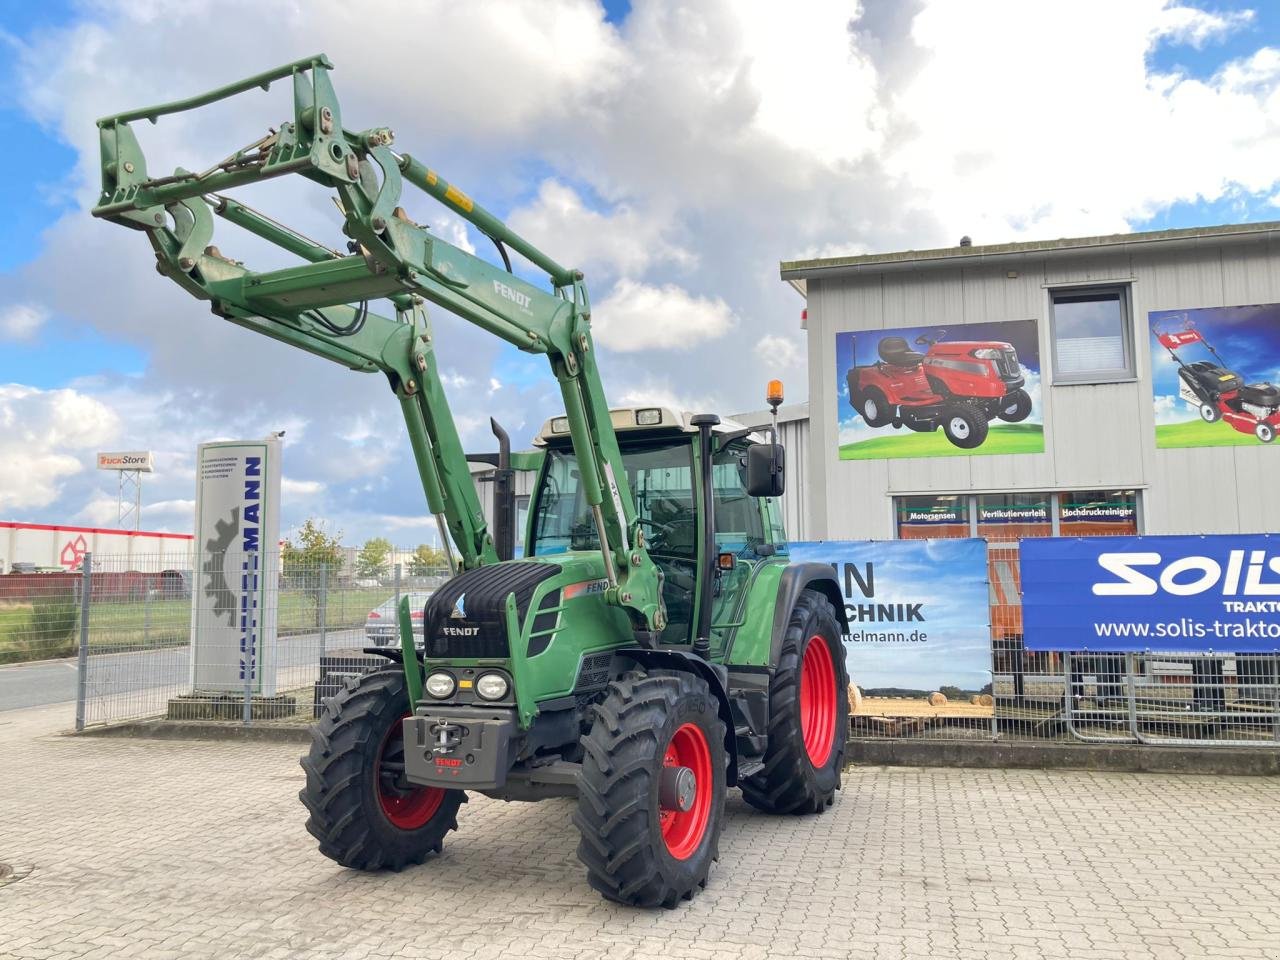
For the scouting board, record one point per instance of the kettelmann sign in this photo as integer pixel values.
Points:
(1217, 594)
(233, 598)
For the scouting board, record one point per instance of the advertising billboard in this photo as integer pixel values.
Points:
(1202, 594)
(918, 613)
(1214, 373)
(233, 602)
(939, 392)
(143, 461)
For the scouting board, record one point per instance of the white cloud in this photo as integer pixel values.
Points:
(622, 240)
(637, 316)
(20, 321)
(780, 352)
(1171, 408)
(678, 157)
(290, 487)
(47, 436)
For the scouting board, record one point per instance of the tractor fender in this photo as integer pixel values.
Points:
(716, 677)
(797, 578)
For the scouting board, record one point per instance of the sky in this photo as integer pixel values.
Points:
(674, 151)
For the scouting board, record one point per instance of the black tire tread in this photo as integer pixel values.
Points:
(786, 783)
(336, 780)
(613, 814)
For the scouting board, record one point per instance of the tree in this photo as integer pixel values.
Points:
(426, 560)
(372, 559)
(314, 549)
(304, 560)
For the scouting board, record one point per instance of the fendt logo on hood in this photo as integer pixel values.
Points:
(1189, 576)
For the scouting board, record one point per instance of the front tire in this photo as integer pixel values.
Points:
(1016, 406)
(964, 425)
(1264, 432)
(808, 715)
(362, 811)
(875, 407)
(651, 791)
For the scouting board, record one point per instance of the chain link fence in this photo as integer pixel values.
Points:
(250, 637)
(254, 639)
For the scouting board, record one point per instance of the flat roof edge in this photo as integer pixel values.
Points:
(793, 270)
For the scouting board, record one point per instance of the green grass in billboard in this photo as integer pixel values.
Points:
(1003, 438)
(1197, 433)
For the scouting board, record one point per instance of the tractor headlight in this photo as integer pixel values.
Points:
(986, 353)
(492, 686)
(441, 685)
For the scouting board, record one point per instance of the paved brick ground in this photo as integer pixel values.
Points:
(153, 849)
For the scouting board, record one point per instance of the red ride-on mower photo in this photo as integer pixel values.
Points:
(1219, 393)
(986, 373)
(895, 391)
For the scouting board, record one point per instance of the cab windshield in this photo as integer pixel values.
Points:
(661, 479)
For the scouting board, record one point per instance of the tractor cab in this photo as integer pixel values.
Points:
(669, 476)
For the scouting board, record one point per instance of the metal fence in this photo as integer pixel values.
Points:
(128, 628)
(262, 639)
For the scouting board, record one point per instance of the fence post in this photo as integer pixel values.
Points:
(397, 605)
(82, 659)
(322, 604)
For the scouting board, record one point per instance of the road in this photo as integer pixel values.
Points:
(54, 681)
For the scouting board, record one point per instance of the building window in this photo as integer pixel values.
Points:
(1011, 516)
(1005, 518)
(1098, 513)
(1092, 334)
(933, 518)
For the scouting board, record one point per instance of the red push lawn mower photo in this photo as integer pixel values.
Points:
(896, 391)
(1217, 392)
(985, 373)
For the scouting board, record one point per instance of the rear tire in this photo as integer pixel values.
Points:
(365, 815)
(1016, 406)
(1209, 413)
(808, 715)
(638, 847)
(875, 407)
(964, 425)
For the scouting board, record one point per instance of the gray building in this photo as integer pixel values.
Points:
(1111, 440)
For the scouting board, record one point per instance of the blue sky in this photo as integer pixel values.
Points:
(643, 142)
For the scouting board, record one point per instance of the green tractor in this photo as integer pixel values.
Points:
(653, 648)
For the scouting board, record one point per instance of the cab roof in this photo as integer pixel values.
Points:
(658, 421)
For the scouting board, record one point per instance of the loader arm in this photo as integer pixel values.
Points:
(321, 305)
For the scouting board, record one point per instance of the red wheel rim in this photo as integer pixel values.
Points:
(407, 807)
(682, 831)
(817, 700)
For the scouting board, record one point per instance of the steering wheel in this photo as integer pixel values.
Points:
(657, 525)
(924, 341)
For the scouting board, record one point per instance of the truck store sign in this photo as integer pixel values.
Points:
(1218, 594)
(233, 598)
(918, 612)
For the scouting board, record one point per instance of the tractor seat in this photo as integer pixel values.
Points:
(894, 351)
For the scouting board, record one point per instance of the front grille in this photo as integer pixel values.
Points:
(467, 616)
(594, 672)
(1007, 364)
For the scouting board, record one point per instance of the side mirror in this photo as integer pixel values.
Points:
(766, 468)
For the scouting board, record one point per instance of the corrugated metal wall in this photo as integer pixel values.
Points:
(1096, 436)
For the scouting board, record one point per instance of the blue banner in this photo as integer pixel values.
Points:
(1209, 594)
(918, 613)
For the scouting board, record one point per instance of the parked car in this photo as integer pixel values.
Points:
(380, 627)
